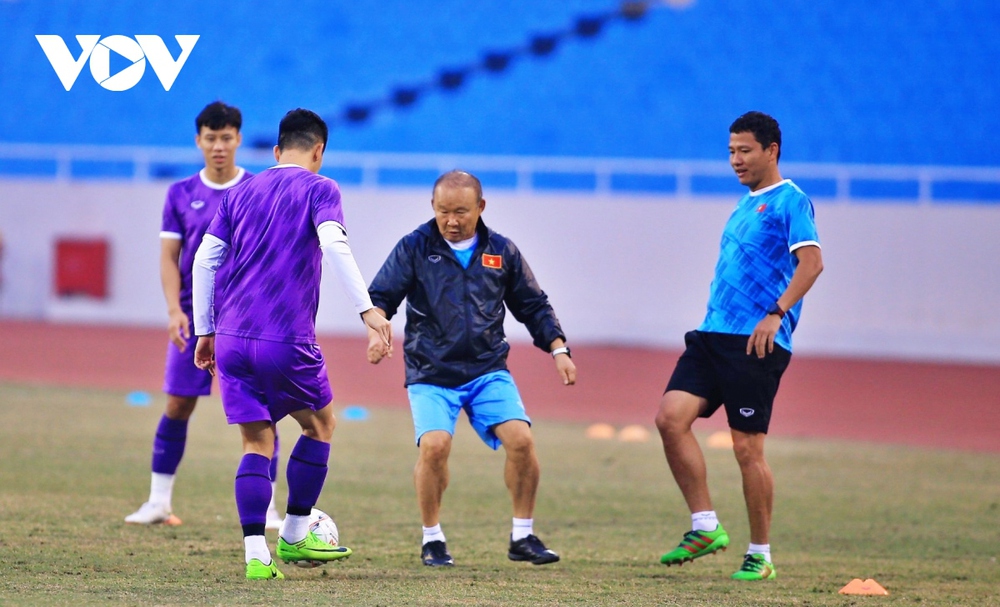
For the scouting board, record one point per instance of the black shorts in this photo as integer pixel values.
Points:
(716, 367)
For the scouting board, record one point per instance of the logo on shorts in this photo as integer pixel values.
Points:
(746, 412)
(434, 258)
(197, 204)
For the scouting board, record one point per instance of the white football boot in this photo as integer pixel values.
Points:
(152, 514)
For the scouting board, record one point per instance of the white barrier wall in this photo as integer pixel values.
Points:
(901, 280)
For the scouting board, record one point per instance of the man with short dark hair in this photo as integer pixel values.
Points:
(769, 258)
(456, 276)
(277, 228)
(190, 206)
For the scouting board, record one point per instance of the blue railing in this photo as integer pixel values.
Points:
(527, 174)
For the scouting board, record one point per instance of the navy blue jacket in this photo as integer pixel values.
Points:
(454, 315)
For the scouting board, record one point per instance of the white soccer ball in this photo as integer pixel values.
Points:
(323, 526)
(325, 529)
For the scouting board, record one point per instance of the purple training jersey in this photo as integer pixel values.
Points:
(271, 289)
(190, 206)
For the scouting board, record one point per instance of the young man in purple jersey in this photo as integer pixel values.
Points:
(457, 276)
(190, 206)
(260, 334)
(769, 259)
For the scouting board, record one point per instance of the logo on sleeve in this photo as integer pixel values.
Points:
(493, 261)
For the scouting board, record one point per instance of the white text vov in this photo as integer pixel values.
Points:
(98, 51)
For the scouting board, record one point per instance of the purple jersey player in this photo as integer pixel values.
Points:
(259, 333)
(190, 206)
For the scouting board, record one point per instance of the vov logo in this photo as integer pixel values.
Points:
(98, 50)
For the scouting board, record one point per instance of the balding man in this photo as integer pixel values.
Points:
(456, 275)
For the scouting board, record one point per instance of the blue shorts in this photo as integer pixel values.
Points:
(489, 400)
(181, 377)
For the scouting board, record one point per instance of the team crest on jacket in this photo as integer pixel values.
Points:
(492, 261)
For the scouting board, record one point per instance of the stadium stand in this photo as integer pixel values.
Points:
(851, 82)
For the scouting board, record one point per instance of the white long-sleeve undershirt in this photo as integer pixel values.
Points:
(337, 253)
(207, 260)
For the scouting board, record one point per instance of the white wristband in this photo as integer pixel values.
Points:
(561, 350)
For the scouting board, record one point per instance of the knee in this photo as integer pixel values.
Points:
(180, 407)
(520, 445)
(748, 452)
(321, 429)
(669, 419)
(324, 433)
(434, 449)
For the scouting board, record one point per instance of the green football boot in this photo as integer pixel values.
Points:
(311, 549)
(696, 544)
(256, 570)
(755, 567)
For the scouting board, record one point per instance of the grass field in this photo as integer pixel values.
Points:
(73, 463)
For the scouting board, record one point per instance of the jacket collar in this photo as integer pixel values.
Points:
(437, 240)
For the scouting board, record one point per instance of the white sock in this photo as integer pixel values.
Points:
(161, 489)
(256, 547)
(764, 549)
(522, 528)
(272, 506)
(706, 520)
(295, 528)
(433, 534)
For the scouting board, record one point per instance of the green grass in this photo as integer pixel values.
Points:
(925, 524)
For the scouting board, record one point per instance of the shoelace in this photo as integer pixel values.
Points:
(752, 562)
(696, 539)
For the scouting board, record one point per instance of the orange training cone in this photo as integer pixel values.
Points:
(720, 440)
(633, 434)
(601, 431)
(868, 586)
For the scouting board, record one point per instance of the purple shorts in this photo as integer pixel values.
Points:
(181, 377)
(266, 380)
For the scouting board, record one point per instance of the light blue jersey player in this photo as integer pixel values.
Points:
(769, 258)
(757, 260)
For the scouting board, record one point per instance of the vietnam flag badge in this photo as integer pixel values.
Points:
(493, 261)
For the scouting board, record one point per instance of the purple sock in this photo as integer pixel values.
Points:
(168, 446)
(274, 459)
(306, 473)
(253, 493)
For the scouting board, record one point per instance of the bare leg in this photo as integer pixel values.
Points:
(758, 483)
(521, 471)
(430, 475)
(678, 411)
(180, 407)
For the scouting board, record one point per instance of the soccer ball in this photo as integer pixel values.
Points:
(323, 526)
(325, 529)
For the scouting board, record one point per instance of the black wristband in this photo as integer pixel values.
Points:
(776, 309)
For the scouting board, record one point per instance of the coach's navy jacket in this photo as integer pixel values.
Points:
(454, 315)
